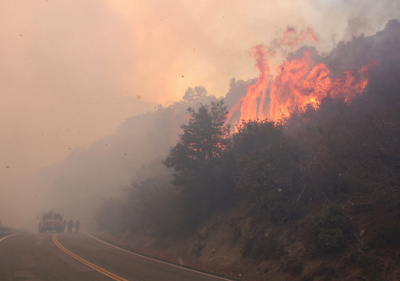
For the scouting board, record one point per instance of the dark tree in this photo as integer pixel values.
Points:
(266, 168)
(256, 134)
(198, 157)
(204, 139)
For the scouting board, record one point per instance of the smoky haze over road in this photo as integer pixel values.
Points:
(65, 257)
(81, 82)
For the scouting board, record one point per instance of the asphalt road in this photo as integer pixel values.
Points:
(50, 256)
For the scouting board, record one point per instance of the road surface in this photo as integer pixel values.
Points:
(50, 256)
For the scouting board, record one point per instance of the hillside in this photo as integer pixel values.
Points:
(311, 196)
(218, 246)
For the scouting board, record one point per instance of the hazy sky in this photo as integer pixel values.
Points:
(71, 71)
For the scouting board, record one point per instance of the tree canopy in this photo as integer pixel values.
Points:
(204, 140)
(197, 157)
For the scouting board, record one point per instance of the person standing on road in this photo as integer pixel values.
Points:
(70, 225)
(77, 224)
(63, 225)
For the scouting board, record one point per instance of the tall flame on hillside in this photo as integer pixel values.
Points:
(295, 84)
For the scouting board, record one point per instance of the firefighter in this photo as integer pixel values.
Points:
(77, 224)
(70, 225)
(63, 225)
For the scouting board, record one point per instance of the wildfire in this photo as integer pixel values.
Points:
(294, 84)
(250, 106)
(304, 82)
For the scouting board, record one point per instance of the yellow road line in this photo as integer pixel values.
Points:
(95, 267)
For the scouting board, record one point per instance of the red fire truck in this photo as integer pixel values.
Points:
(51, 221)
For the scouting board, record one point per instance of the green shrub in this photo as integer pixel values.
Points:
(331, 230)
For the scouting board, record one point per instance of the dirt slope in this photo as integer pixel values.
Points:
(227, 245)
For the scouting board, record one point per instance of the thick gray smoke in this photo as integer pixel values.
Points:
(77, 186)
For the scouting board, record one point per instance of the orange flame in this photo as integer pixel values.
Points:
(304, 82)
(249, 107)
(296, 83)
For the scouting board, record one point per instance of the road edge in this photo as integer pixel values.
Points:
(159, 260)
(5, 237)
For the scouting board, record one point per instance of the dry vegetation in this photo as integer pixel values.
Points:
(313, 198)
